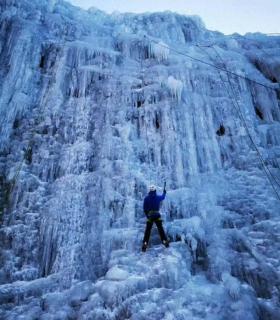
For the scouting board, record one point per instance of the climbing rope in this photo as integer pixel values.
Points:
(246, 126)
(238, 109)
(211, 65)
(264, 52)
(228, 72)
(236, 105)
(256, 43)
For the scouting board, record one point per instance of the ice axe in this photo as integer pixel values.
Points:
(164, 186)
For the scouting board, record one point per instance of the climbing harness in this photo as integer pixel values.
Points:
(153, 214)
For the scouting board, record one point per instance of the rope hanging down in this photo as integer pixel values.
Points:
(266, 169)
(236, 105)
(265, 53)
(14, 180)
(245, 123)
(210, 64)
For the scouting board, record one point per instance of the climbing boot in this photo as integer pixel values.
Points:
(166, 243)
(144, 247)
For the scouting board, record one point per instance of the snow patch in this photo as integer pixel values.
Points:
(116, 274)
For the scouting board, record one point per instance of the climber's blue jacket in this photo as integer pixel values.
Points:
(152, 203)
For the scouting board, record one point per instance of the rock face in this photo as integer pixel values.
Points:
(94, 108)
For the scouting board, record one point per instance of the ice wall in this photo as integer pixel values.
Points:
(94, 108)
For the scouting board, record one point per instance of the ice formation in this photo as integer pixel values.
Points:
(92, 112)
(159, 50)
(175, 86)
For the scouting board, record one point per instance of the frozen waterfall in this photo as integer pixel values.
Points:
(91, 112)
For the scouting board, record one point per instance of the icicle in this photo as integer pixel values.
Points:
(232, 285)
(159, 50)
(175, 87)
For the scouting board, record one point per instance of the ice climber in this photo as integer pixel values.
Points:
(151, 208)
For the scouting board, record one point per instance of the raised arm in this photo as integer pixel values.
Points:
(162, 197)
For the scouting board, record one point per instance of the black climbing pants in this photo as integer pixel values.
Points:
(149, 226)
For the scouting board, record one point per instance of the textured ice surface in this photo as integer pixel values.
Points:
(92, 111)
(175, 86)
(160, 50)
